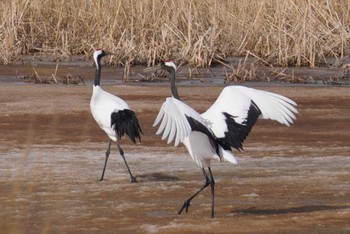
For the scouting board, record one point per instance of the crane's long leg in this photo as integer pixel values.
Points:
(212, 184)
(187, 202)
(133, 179)
(107, 155)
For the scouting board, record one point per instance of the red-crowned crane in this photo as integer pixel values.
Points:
(225, 124)
(112, 114)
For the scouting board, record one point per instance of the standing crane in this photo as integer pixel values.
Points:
(225, 124)
(112, 114)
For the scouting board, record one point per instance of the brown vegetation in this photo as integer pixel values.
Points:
(198, 32)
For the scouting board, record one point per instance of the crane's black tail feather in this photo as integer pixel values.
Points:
(126, 122)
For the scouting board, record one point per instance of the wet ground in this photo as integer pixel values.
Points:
(288, 180)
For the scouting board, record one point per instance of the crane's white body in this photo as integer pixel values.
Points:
(234, 100)
(112, 114)
(202, 152)
(102, 105)
(225, 124)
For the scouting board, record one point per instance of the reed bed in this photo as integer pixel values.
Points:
(195, 32)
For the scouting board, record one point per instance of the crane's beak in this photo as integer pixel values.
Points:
(108, 53)
(152, 69)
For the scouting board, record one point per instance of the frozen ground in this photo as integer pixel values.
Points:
(288, 180)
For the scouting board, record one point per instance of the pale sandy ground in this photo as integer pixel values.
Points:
(289, 180)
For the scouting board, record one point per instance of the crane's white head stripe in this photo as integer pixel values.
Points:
(96, 54)
(170, 63)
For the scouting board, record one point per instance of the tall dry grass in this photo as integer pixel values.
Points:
(198, 32)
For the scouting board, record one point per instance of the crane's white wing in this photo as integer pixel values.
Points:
(237, 108)
(173, 118)
(272, 106)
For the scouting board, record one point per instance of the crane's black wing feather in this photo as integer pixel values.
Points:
(236, 133)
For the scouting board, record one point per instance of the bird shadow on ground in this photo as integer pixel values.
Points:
(157, 177)
(301, 209)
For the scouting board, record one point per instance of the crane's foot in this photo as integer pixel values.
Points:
(133, 179)
(185, 205)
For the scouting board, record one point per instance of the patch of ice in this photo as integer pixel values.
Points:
(250, 195)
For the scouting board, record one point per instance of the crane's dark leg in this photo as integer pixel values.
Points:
(133, 179)
(212, 184)
(107, 155)
(187, 202)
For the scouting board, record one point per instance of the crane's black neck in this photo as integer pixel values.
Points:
(173, 84)
(97, 73)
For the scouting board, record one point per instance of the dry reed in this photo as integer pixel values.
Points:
(195, 32)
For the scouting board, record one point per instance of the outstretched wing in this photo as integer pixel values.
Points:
(237, 109)
(177, 120)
